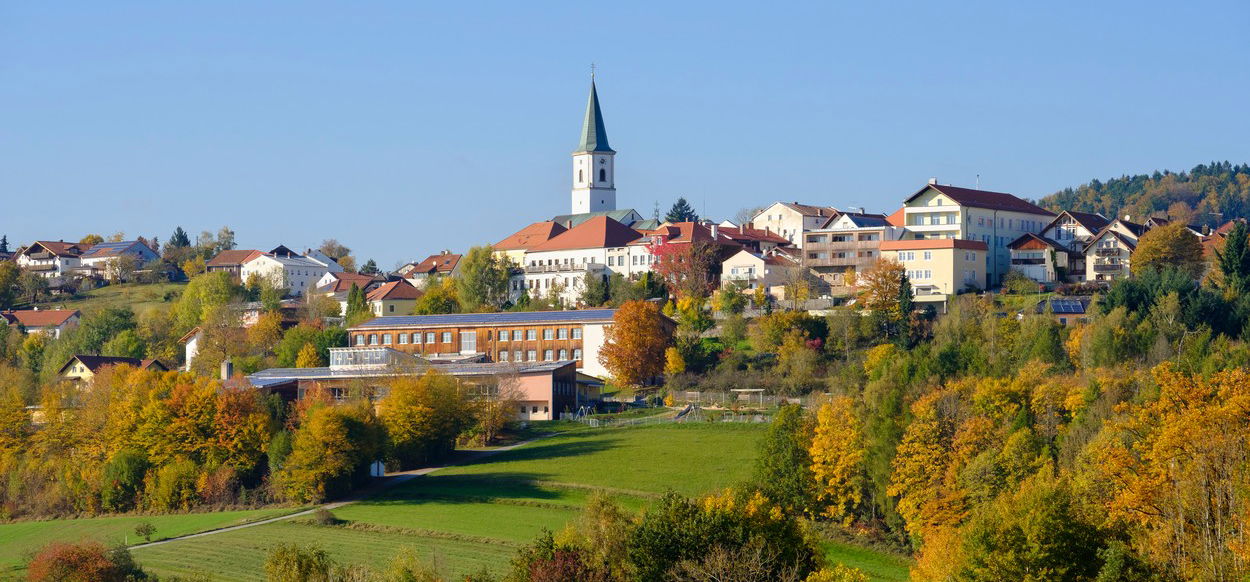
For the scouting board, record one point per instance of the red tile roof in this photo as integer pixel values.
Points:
(344, 281)
(233, 257)
(684, 232)
(598, 232)
(440, 263)
(749, 233)
(984, 199)
(933, 243)
(400, 289)
(530, 236)
(33, 318)
(898, 218)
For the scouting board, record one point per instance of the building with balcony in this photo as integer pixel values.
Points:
(55, 261)
(850, 242)
(1042, 259)
(939, 269)
(541, 390)
(596, 247)
(753, 270)
(1109, 255)
(1072, 231)
(995, 219)
(791, 220)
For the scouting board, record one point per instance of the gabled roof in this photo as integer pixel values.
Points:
(289, 261)
(898, 217)
(1091, 221)
(344, 281)
(94, 363)
(1130, 243)
(444, 262)
(749, 233)
(1133, 227)
(860, 220)
(984, 199)
(686, 232)
(594, 133)
(394, 290)
(530, 236)
(1028, 236)
(598, 232)
(112, 249)
(33, 318)
(810, 210)
(233, 257)
(58, 248)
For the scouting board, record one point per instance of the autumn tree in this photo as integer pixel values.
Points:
(441, 296)
(686, 268)
(83, 562)
(424, 415)
(880, 285)
(633, 348)
(837, 453)
(331, 451)
(1171, 245)
(308, 357)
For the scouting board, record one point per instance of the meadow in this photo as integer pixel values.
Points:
(139, 297)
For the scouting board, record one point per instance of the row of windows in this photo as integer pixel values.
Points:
(911, 255)
(532, 355)
(517, 335)
(920, 274)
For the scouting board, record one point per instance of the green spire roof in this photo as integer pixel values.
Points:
(594, 134)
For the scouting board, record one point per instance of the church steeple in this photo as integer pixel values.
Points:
(594, 182)
(594, 134)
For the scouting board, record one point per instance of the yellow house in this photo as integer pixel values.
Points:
(83, 368)
(394, 298)
(939, 268)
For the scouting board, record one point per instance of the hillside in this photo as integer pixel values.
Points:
(1209, 194)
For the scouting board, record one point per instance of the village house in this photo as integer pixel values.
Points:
(82, 369)
(444, 264)
(50, 322)
(791, 220)
(939, 269)
(1057, 253)
(597, 247)
(393, 298)
(514, 247)
(756, 240)
(753, 270)
(231, 261)
(336, 286)
(106, 260)
(53, 260)
(295, 274)
(847, 243)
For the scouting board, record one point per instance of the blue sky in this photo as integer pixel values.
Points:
(404, 128)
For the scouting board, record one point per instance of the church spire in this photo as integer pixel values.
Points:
(594, 134)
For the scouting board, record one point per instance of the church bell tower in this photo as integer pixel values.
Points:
(594, 182)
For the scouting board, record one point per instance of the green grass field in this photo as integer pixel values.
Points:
(471, 516)
(136, 296)
(19, 539)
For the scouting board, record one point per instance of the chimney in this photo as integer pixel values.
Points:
(227, 369)
(714, 232)
(933, 181)
(750, 226)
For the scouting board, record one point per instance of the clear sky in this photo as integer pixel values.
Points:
(403, 128)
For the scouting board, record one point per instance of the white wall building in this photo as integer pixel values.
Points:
(296, 274)
(791, 219)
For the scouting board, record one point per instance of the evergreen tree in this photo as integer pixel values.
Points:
(681, 212)
(4, 244)
(370, 268)
(179, 240)
(1234, 260)
(356, 304)
(905, 307)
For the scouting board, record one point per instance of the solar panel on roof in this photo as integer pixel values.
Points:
(1067, 306)
(505, 318)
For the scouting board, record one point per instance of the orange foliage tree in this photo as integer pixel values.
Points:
(633, 348)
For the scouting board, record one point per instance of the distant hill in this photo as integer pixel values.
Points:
(1218, 187)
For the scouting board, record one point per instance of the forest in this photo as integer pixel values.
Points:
(1207, 195)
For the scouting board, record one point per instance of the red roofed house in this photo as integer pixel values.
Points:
(393, 298)
(756, 240)
(444, 264)
(47, 321)
(596, 247)
(231, 261)
(515, 246)
(336, 286)
(939, 211)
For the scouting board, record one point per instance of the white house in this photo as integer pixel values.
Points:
(296, 274)
(50, 322)
(791, 219)
(53, 260)
(103, 258)
(597, 247)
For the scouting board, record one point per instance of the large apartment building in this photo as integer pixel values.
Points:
(849, 242)
(939, 211)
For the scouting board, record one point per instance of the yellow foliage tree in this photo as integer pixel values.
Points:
(193, 266)
(880, 285)
(837, 452)
(308, 357)
(674, 363)
(1170, 245)
(634, 347)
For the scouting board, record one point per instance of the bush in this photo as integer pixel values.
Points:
(145, 530)
(322, 516)
(83, 562)
(173, 486)
(295, 563)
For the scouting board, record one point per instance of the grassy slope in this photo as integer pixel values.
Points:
(880, 567)
(20, 538)
(471, 516)
(138, 297)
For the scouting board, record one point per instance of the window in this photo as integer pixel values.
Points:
(386, 339)
(403, 338)
(390, 308)
(416, 337)
(577, 353)
(603, 175)
(562, 333)
(928, 255)
(549, 334)
(373, 339)
(503, 335)
(564, 355)
(548, 355)
(531, 355)
(535, 410)
(516, 335)
(577, 333)
(580, 176)
(503, 355)
(447, 337)
(360, 340)
(516, 356)
(531, 334)
(429, 338)
(468, 342)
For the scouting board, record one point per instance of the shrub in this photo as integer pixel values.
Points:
(296, 563)
(322, 516)
(83, 562)
(145, 530)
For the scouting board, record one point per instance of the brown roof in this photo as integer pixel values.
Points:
(933, 243)
(344, 281)
(684, 232)
(984, 199)
(598, 232)
(1128, 242)
(898, 218)
(1092, 222)
(32, 318)
(809, 210)
(400, 289)
(440, 263)
(94, 363)
(60, 248)
(233, 257)
(530, 236)
(749, 233)
(1025, 240)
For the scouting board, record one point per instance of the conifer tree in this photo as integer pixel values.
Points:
(681, 211)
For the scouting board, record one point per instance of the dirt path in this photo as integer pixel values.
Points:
(391, 480)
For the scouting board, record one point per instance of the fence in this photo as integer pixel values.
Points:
(691, 413)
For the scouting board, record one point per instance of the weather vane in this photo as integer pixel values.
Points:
(592, 70)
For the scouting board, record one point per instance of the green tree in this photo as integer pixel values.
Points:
(125, 344)
(179, 239)
(783, 466)
(357, 306)
(296, 563)
(482, 284)
(681, 211)
(9, 276)
(594, 290)
(440, 297)
(1233, 261)
(370, 268)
